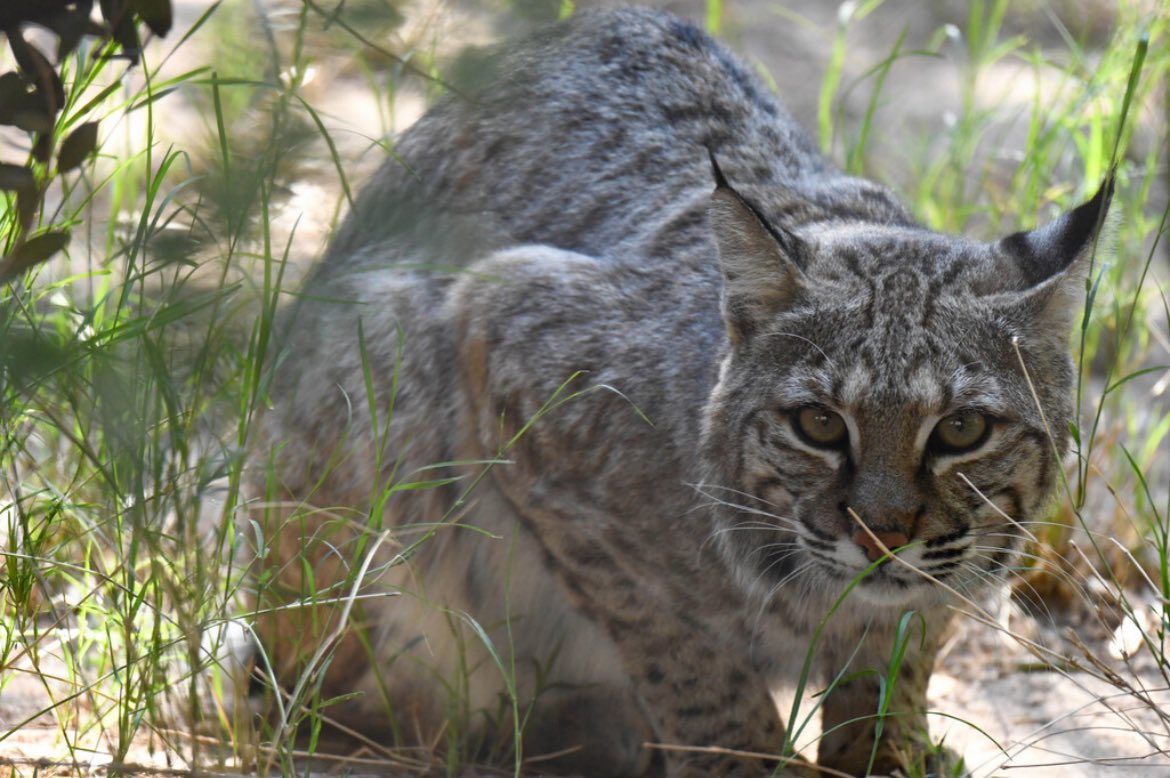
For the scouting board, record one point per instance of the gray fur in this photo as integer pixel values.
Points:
(663, 545)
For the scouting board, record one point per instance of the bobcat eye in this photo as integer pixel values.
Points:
(820, 427)
(960, 432)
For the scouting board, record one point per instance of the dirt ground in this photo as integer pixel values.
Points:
(1007, 711)
(1004, 710)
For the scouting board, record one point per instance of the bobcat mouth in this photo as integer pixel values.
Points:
(890, 575)
(883, 576)
(780, 561)
(887, 574)
(822, 566)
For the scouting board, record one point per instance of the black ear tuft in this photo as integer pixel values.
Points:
(1046, 251)
(1046, 281)
(720, 181)
(762, 265)
(793, 246)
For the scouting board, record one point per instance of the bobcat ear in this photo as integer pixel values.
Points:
(1052, 262)
(761, 264)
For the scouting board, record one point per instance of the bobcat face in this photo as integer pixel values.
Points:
(873, 400)
(918, 424)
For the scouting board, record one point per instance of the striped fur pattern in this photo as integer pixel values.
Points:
(764, 355)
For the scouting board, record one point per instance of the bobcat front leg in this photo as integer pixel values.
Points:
(698, 690)
(885, 702)
(598, 488)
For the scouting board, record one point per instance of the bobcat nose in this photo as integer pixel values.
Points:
(869, 543)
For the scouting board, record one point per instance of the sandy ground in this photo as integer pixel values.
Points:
(995, 704)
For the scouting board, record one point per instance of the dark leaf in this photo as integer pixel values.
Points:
(155, 13)
(126, 34)
(20, 107)
(28, 202)
(12, 89)
(77, 146)
(43, 147)
(16, 12)
(14, 178)
(117, 15)
(32, 117)
(39, 70)
(71, 26)
(31, 253)
(113, 10)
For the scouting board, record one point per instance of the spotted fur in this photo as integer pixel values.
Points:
(552, 278)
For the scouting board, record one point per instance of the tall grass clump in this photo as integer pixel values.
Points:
(130, 367)
(143, 274)
(108, 472)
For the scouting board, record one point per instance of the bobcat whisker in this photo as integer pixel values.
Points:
(1005, 539)
(778, 524)
(798, 573)
(775, 524)
(1003, 530)
(998, 541)
(993, 544)
(775, 585)
(777, 561)
(751, 511)
(715, 502)
(983, 551)
(704, 489)
(756, 526)
(991, 504)
(1028, 599)
(978, 576)
(974, 580)
(715, 534)
(774, 560)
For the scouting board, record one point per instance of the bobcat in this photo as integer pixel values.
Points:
(630, 397)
